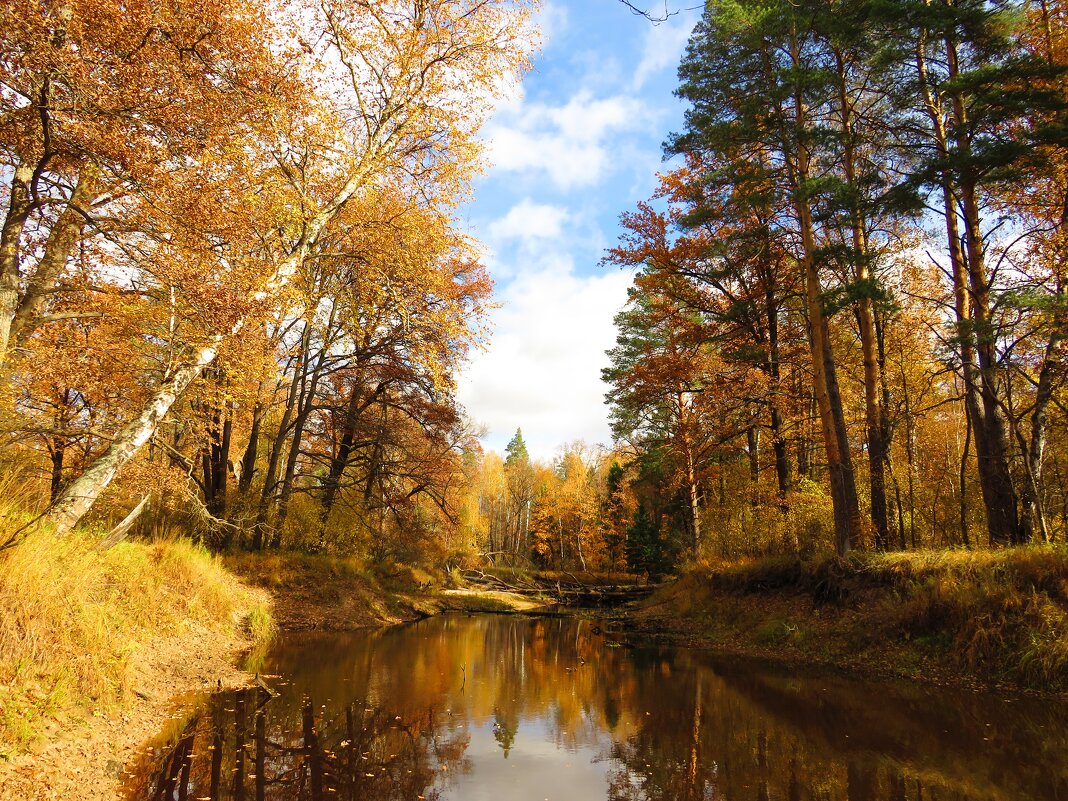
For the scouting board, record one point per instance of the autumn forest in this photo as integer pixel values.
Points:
(238, 293)
(845, 329)
(246, 306)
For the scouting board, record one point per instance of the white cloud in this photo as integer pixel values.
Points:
(528, 220)
(570, 142)
(553, 21)
(663, 47)
(590, 124)
(542, 371)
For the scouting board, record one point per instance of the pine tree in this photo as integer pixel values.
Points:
(759, 84)
(520, 480)
(973, 107)
(516, 452)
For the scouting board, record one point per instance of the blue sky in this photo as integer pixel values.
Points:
(576, 147)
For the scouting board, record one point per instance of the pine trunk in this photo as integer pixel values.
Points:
(828, 398)
(847, 521)
(992, 448)
(873, 414)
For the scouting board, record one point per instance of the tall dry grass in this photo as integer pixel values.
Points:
(1000, 615)
(71, 617)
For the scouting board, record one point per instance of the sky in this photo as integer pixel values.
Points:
(578, 145)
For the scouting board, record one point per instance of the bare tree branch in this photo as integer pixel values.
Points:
(655, 17)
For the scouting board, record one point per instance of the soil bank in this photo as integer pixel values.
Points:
(83, 760)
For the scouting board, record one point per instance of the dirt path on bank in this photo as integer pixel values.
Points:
(83, 760)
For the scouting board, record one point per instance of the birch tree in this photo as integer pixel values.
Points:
(397, 93)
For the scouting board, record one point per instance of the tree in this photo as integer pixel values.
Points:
(85, 138)
(386, 109)
(718, 255)
(516, 451)
(758, 91)
(614, 516)
(520, 482)
(975, 106)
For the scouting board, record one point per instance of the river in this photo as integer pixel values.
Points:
(510, 708)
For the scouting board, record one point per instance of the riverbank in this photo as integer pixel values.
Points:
(995, 619)
(333, 593)
(96, 644)
(328, 593)
(81, 757)
(99, 648)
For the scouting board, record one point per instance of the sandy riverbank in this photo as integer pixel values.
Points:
(83, 759)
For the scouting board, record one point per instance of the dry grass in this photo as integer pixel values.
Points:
(1000, 614)
(1043, 567)
(997, 615)
(71, 616)
(273, 568)
(335, 593)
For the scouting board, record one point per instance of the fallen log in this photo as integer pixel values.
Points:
(122, 530)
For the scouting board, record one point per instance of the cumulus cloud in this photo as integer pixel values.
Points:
(528, 220)
(569, 142)
(542, 370)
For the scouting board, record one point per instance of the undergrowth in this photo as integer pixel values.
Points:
(999, 615)
(71, 617)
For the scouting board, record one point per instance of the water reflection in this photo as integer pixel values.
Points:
(494, 707)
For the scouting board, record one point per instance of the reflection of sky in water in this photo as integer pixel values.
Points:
(536, 768)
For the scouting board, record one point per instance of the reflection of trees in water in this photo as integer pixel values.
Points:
(516, 669)
(682, 726)
(505, 728)
(765, 735)
(245, 747)
(715, 748)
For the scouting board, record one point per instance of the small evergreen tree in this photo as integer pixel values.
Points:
(641, 540)
(516, 452)
(614, 516)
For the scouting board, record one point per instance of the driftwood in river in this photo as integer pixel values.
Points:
(566, 589)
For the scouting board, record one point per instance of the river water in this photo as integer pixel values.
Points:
(505, 708)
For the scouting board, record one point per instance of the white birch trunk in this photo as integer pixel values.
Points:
(78, 498)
